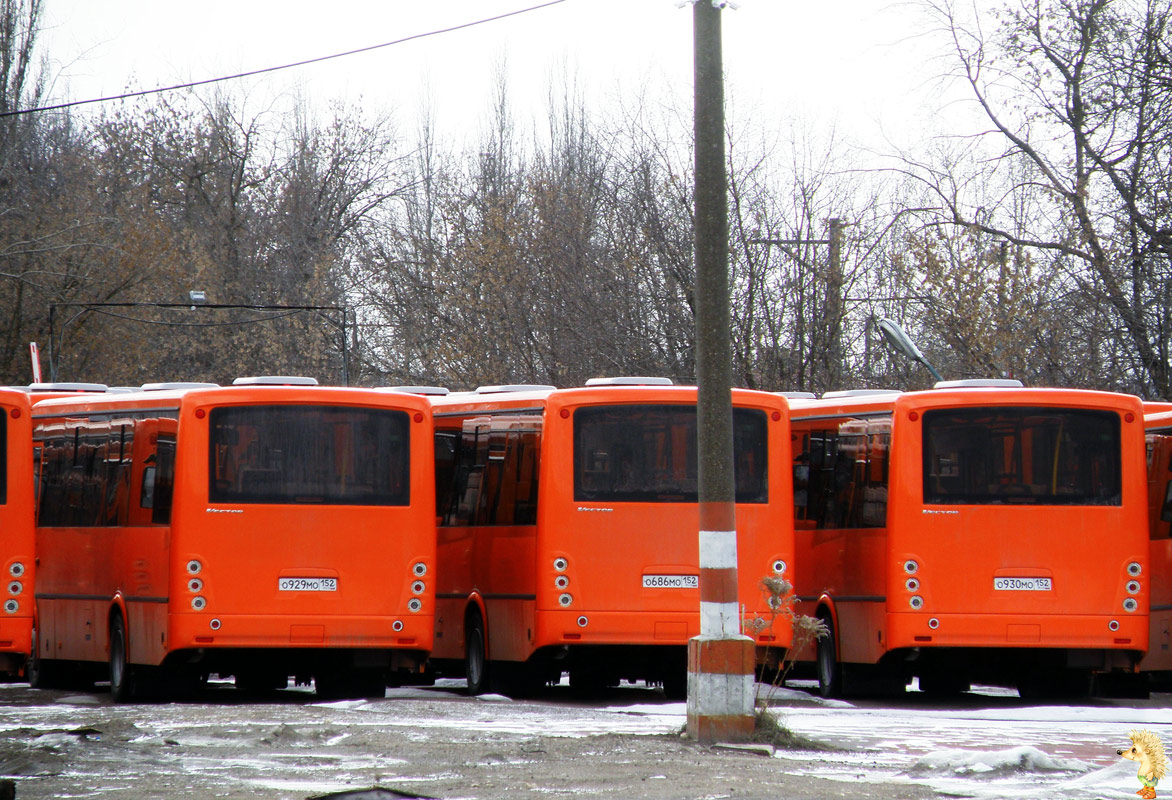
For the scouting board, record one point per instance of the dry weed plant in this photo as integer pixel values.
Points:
(780, 597)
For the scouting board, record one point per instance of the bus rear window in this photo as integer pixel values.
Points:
(309, 455)
(647, 454)
(1036, 456)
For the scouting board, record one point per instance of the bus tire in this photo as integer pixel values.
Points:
(829, 670)
(475, 655)
(121, 673)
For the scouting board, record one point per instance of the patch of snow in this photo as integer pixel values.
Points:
(344, 704)
(997, 762)
(78, 700)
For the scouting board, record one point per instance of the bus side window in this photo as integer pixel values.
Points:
(525, 512)
(446, 447)
(148, 487)
(801, 478)
(164, 479)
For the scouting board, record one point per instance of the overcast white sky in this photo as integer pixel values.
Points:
(852, 63)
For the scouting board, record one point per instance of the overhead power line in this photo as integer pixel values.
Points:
(264, 70)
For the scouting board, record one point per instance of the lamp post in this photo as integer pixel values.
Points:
(198, 298)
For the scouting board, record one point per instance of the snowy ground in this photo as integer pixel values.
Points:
(437, 741)
(986, 744)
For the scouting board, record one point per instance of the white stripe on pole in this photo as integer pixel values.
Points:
(718, 549)
(713, 694)
(720, 619)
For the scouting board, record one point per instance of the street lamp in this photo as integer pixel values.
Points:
(897, 337)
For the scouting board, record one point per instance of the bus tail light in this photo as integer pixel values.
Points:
(16, 569)
(779, 567)
(417, 587)
(583, 621)
(911, 567)
(195, 585)
(916, 602)
(397, 625)
(420, 569)
(565, 600)
(913, 584)
(1133, 587)
(15, 587)
(1130, 604)
(560, 564)
(1113, 625)
(561, 581)
(414, 604)
(199, 603)
(11, 606)
(215, 624)
(194, 567)
(1135, 569)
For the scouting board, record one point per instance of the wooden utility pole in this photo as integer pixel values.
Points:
(721, 661)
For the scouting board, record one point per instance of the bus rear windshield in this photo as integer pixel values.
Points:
(647, 454)
(309, 455)
(1034, 456)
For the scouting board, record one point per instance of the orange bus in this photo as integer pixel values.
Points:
(17, 553)
(978, 531)
(569, 531)
(259, 531)
(1157, 664)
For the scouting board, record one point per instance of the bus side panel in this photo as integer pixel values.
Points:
(66, 592)
(495, 562)
(1159, 655)
(140, 569)
(848, 565)
(453, 587)
(16, 522)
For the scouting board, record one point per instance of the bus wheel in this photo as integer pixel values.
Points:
(121, 690)
(829, 670)
(475, 656)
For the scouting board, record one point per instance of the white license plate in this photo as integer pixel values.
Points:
(1022, 584)
(671, 581)
(307, 584)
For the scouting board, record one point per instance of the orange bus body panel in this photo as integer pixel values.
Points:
(575, 577)
(952, 557)
(17, 540)
(211, 580)
(1159, 656)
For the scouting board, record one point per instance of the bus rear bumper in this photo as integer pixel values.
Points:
(1123, 631)
(414, 632)
(635, 627)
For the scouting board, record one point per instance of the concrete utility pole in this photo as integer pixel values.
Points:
(721, 661)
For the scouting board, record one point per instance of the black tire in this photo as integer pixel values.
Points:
(476, 655)
(829, 670)
(121, 673)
